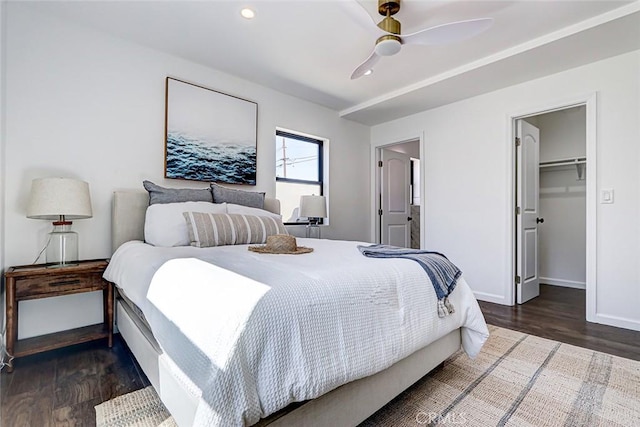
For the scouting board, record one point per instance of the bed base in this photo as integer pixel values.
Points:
(347, 405)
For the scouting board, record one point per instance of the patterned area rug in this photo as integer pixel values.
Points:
(141, 408)
(517, 380)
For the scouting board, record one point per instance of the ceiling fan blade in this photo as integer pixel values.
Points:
(365, 66)
(449, 33)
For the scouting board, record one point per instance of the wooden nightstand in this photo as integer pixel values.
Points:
(37, 281)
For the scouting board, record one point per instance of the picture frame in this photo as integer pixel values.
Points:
(209, 135)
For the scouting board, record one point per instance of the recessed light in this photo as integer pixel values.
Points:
(368, 72)
(247, 13)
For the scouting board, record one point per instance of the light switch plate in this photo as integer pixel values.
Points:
(606, 195)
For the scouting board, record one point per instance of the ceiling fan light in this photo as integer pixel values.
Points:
(368, 72)
(388, 45)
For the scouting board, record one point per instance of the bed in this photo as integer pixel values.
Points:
(174, 359)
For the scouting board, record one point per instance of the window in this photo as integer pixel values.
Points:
(298, 172)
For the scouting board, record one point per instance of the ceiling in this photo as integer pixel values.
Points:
(309, 48)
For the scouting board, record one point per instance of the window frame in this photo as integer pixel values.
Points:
(320, 143)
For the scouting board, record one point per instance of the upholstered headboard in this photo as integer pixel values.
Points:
(129, 209)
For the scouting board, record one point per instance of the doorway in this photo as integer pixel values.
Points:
(554, 237)
(399, 197)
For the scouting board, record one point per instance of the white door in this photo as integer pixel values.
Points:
(527, 212)
(395, 199)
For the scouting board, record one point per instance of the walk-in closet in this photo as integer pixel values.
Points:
(563, 168)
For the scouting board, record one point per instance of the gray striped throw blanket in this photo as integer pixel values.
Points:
(442, 272)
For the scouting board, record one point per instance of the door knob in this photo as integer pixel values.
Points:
(539, 220)
(409, 218)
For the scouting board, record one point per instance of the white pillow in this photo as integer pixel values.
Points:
(247, 210)
(164, 224)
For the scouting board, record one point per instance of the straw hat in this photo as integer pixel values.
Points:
(281, 244)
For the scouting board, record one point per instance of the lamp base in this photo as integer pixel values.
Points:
(313, 231)
(62, 249)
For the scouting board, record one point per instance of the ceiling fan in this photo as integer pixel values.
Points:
(390, 39)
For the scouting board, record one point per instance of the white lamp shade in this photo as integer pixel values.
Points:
(313, 206)
(52, 197)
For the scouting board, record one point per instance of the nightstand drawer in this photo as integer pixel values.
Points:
(43, 286)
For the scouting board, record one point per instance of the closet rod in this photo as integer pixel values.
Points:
(563, 162)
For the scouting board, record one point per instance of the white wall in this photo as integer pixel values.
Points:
(562, 236)
(468, 180)
(2, 158)
(411, 148)
(84, 104)
(562, 134)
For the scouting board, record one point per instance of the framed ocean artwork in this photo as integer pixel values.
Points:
(209, 135)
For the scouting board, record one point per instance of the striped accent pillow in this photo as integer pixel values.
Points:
(218, 229)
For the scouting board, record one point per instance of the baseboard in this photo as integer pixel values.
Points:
(494, 298)
(563, 283)
(618, 322)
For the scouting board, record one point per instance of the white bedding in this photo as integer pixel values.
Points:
(255, 332)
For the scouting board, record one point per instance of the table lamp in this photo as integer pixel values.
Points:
(60, 200)
(313, 207)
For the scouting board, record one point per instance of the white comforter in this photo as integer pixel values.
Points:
(255, 332)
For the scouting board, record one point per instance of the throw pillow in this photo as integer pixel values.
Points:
(211, 229)
(158, 194)
(252, 199)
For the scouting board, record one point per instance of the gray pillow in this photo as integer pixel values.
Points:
(159, 194)
(253, 199)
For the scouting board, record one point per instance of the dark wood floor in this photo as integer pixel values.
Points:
(61, 387)
(559, 314)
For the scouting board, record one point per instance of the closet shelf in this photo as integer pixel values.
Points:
(579, 162)
(563, 162)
